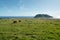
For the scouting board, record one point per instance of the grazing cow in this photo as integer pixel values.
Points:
(14, 21)
(19, 20)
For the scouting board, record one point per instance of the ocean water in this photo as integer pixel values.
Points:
(16, 17)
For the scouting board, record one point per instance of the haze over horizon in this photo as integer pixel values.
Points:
(29, 7)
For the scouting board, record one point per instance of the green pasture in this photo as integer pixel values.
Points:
(29, 29)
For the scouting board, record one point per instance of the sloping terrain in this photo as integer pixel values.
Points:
(29, 29)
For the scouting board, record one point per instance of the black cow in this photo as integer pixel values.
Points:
(14, 21)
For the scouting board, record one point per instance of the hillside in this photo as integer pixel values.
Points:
(43, 16)
(29, 29)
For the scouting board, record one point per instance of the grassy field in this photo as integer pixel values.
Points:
(29, 29)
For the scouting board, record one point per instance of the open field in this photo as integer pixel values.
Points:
(30, 29)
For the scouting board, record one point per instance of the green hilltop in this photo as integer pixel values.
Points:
(43, 16)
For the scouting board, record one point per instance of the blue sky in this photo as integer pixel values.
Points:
(29, 7)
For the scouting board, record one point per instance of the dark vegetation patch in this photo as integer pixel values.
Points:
(51, 32)
(56, 24)
(51, 38)
(29, 34)
(58, 34)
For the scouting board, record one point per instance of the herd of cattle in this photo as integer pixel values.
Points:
(16, 21)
